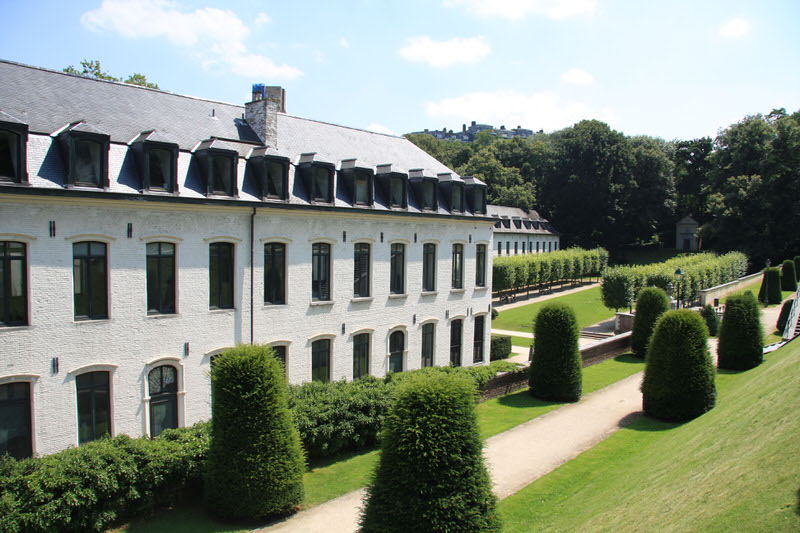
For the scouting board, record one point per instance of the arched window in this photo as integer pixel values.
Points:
(94, 406)
(397, 343)
(15, 420)
(162, 382)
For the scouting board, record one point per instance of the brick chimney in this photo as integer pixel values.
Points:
(262, 113)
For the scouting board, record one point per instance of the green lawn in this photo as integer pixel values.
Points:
(588, 307)
(736, 468)
(522, 342)
(754, 287)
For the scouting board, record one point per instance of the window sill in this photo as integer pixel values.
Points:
(475, 289)
(18, 327)
(361, 299)
(269, 305)
(90, 320)
(397, 296)
(157, 316)
(458, 291)
(320, 303)
(430, 293)
(217, 310)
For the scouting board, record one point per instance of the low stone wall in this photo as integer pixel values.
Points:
(623, 322)
(707, 296)
(591, 355)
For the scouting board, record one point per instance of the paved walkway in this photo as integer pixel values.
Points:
(535, 297)
(522, 454)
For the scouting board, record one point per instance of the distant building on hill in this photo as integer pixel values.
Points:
(468, 133)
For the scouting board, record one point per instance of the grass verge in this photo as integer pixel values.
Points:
(736, 468)
(754, 287)
(522, 342)
(587, 304)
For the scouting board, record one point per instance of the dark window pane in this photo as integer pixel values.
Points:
(477, 355)
(320, 184)
(499, 248)
(94, 409)
(362, 189)
(455, 342)
(429, 267)
(360, 355)
(90, 280)
(428, 194)
(480, 265)
(160, 169)
(280, 354)
(457, 202)
(87, 163)
(160, 277)
(163, 388)
(221, 275)
(397, 267)
(398, 192)
(321, 360)
(274, 273)
(275, 178)
(458, 266)
(15, 420)
(320, 272)
(13, 284)
(361, 270)
(222, 174)
(396, 347)
(427, 345)
(9, 155)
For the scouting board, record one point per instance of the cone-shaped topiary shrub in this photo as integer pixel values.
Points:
(770, 291)
(741, 336)
(431, 475)
(788, 276)
(797, 267)
(555, 371)
(711, 319)
(784, 316)
(255, 461)
(651, 303)
(679, 375)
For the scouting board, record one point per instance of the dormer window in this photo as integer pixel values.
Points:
(86, 156)
(392, 186)
(457, 198)
(159, 169)
(478, 195)
(321, 184)
(13, 152)
(158, 161)
(271, 173)
(363, 188)
(221, 174)
(429, 195)
(398, 192)
(218, 165)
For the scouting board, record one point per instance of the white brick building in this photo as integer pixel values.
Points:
(517, 231)
(142, 232)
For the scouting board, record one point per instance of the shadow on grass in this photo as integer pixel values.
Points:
(191, 518)
(645, 423)
(629, 358)
(322, 462)
(523, 399)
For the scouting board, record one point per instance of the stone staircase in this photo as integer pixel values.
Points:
(792, 328)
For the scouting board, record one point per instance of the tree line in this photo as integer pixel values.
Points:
(600, 187)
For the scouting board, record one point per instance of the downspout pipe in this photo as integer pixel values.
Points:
(252, 254)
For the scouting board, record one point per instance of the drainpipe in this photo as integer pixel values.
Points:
(252, 239)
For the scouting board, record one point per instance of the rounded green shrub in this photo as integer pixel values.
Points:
(255, 461)
(431, 475)
(784, 316)
(679, 374)
(741, 336)
(651, 304)
(500, 347)
(770, 291)
(555, 371)
(788, 276)
(711, 319)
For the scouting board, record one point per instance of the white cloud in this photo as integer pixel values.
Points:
(263, 18)
(537, 110)
(214, 36)
(319, 57)
(343, 42)
(440, 54)
(519, 9)
(737, 27)
(576, 76)
(380, 128)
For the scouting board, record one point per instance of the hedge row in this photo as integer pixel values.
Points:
(621, 285)
(500, 347)
(520, 271)
(91, 487)
(348, 415)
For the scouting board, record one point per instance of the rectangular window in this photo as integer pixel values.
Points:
(477, 353)
(480, 265)
(397, 269)
(90, 280)
(13, 284)
(221, 275)
(280, 354)
(276, 173)
(398, 192)
(523, 247)
(455, 342)
(397, 345)
(9, 155)
(516, 244)
(508, 247)
(88, 163)
(94, 406)
(160, 169)
(428, 195)
(160, 278)
(429, 267)
(320, 184)
(499, 248)
(15, 420)
(274, 273)
(362, 195)
(427, 344)
(458, 266)
(550, 246)
(321, 360)
(360, 355)
(321, 272)
(361, 270)
(222, 174)
(457, 198)
(537, 247)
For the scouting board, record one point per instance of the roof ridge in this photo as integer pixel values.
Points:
(342, 126)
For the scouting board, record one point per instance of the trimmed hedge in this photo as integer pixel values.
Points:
(94, 486)
(741, 336)
(500, 347)
(784, 316)
(555, 371)
(431, 474)
(520, 271)
(679, 374)
(788, 276)
(770, 291)
(621, 285)
(255, 462)
(711, 319)
(651, 304)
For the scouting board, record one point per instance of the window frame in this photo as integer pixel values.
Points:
(362, 342)
(93, 389)
(328, 193)
(460, 338)
(457, 266)
(6, 267)
(480, 265)
(163, 397)
(26, 404)
(362, 281)
(270, 277)
(427, 360)
(457, 191)
(401, 352)
(69, 140)
(321, 272)
(161, 309)
(92, 314)
(328, 377)
(365, 175)
(147, 148)
(397, 268)
(20, 131)
(398, 178)
(220, 304)
(429, 200)
(429, 270)
(479, 344)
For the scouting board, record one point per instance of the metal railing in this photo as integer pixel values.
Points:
(791, 322)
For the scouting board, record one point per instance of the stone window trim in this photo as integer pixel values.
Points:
(16, 378)
(26, 241)
(68, 137)
(404, 329)
(370, 266)
(33, 381)
(176, 273)
(309, 352)
(107, 241)
(111, 368)
(223, 238)
(234, 242)
(99, 237)
(331, 265)
(285, 266)
(151, 365)
(286, 344)
(275, 238)
(172, 239)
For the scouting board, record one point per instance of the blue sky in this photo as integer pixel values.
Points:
(673, 69)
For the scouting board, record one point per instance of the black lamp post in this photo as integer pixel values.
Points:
(679, 279)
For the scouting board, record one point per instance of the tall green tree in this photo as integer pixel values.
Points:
(91, 68)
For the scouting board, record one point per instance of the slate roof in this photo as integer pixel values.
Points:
(516, 220)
